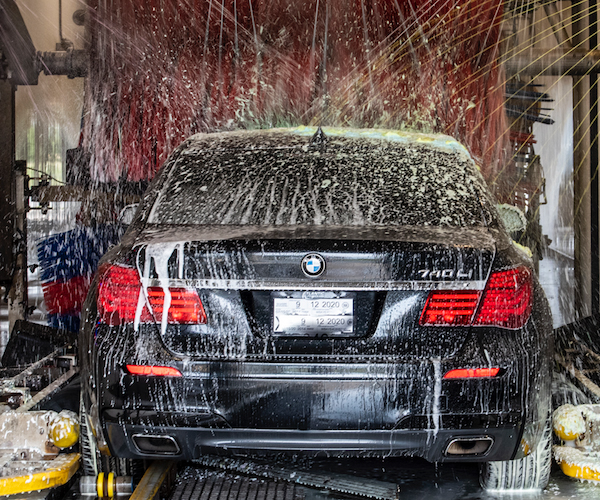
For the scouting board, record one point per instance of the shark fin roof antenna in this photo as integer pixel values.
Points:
(319, 138)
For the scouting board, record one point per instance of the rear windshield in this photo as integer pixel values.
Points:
(372, 186)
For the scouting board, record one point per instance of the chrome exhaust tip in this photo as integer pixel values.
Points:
(151, 443)
(469, 446)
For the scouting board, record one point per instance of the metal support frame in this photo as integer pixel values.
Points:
(577, 56)
(16, 45)
(13, 247)
(18, 298)
(20, 64)
(581, 170)
(23, 62)
(560, 33)
(7, 158)
(595, 235)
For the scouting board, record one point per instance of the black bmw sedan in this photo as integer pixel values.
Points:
(332, 292)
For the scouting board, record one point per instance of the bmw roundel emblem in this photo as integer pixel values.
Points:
(313, 265)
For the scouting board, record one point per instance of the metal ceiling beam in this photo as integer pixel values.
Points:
(557, 62)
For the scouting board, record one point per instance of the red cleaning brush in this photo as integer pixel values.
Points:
(163, 70)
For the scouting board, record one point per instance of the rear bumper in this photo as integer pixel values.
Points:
(314, 409)
(325, 408)
(131, 441)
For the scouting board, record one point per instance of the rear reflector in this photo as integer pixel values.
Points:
(119, 293)
(505, 302)
(472, 373)
(156, 371)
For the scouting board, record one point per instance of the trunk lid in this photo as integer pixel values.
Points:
(367, 302)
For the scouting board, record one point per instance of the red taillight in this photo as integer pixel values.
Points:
(185, 306)
(472, 373)
(451, 307)
(119, 294)
(505, 302)
(506, 299)
(156, 371)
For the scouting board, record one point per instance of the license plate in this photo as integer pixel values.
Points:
(314, 317)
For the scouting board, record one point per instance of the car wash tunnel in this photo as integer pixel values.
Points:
(299, 249)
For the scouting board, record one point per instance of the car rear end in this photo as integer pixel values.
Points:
(255, 315)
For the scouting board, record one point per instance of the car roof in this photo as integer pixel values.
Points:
(300, 136)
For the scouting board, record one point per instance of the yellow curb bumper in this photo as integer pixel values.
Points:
(45, 474)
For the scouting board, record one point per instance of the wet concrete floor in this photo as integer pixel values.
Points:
(418, 479)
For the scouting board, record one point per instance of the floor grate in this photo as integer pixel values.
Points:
(335, 482)
(223, 486)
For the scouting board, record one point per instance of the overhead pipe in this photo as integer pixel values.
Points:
(73, 63)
